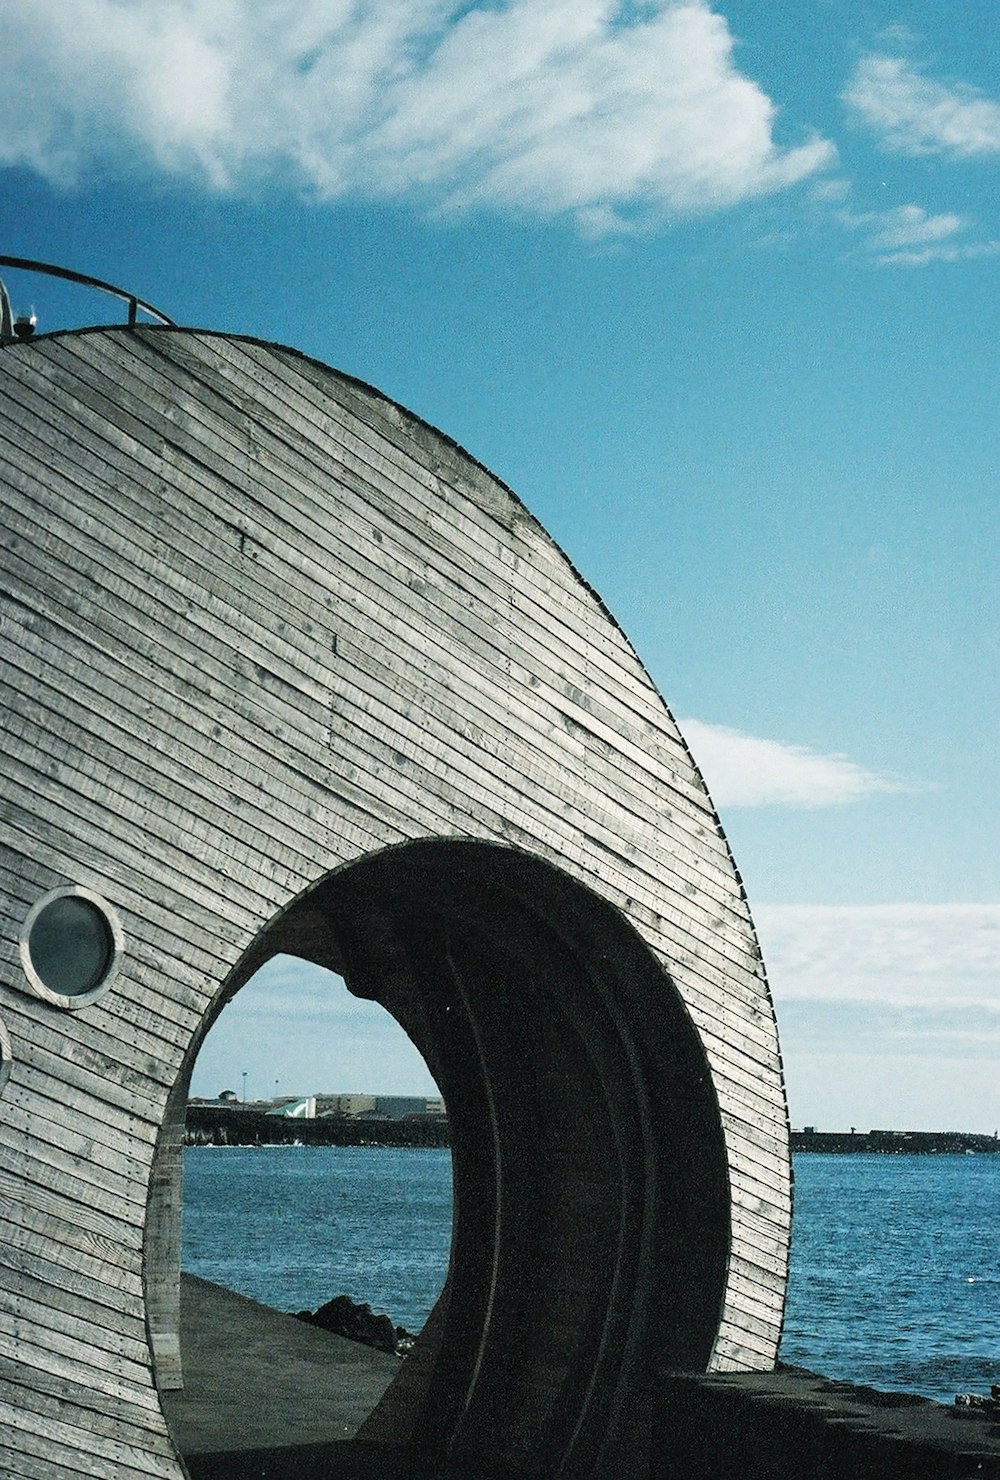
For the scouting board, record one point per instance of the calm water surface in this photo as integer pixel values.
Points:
(292, 1226)
(895, 1267)
(896, 1271)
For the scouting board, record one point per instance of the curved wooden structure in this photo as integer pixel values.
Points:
(285, 669)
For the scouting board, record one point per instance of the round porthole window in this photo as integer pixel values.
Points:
(70, 944)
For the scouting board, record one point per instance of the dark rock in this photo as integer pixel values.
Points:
(358, 1322)
(988, 1407)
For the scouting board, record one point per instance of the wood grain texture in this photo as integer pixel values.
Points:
(257, 625)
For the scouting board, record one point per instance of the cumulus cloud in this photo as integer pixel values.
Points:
(913, 114)
(593, 107)
(747, 771)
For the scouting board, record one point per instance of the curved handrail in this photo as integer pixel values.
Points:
(27, 264)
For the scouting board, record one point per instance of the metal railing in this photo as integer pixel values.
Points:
(23, 327)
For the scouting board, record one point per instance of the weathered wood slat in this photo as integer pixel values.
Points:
(39, 1465)
(736, 1348)
(737, 1083)
(466, 677)
(51, 1165)
(121, 1335)
(125, 1442)
(393, 474)
(121, 1228)
(738, 1080)
(653, 719)
(715, 939)
(625, 679)
(104, 1456)
(88, 1366)
(103, 1409)
(62, 864)
(160, 1020)
(141, 1050)
(25, 1097)
(33, 1260)
(70, 1257)
(756, 1239)
(126, 1113)
(741, 924)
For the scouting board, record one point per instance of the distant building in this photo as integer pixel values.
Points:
(398, 1107)
(304, 1109)
(351, 1105)
(380, 1107)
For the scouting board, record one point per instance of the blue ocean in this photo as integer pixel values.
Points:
(895, 1264)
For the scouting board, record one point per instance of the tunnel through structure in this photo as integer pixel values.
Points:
(286, 670)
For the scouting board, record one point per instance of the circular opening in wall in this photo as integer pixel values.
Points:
(590, 1231)
(70, 944)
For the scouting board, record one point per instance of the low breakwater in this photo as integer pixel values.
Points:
(247, 1125)
(896, 1143)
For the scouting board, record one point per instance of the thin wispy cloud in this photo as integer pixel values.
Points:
(744, 770)
(968, 251)
(913, 227)
(910, 236)
(889, 1015)
(602, 110)
(911, 113)
(934, 957)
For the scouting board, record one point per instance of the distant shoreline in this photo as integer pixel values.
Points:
(895, 1143)
(240, 1125)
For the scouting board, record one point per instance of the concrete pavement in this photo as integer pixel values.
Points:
(266, 1395)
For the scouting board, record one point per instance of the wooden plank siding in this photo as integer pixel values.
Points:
(258, 624)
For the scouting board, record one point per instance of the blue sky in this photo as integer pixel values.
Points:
(714, 288)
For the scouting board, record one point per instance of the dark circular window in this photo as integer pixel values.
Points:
(69, 947)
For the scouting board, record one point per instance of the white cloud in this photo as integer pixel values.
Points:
(593, 107)
(888, 1015)
(912, 226)
(950, 252)
(903, 955)
(746, 771)
(912, 114)
(909, 236)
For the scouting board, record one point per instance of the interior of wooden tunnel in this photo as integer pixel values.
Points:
(591, 1197)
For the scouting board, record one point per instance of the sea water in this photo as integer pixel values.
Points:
(895, 1277)
(293, 1226)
